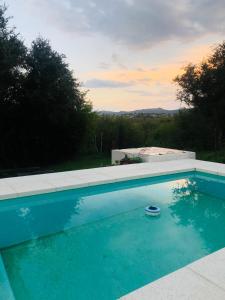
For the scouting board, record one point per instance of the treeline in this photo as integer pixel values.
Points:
(185, 130)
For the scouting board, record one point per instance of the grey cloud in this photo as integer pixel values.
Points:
(117, 60)
(145, 80)
(139, 23)
(141, 93)
(98, 83)
(140, 69)
(104, 65)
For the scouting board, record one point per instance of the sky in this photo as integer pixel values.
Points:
(125, 52)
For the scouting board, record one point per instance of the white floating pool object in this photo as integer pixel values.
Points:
(152, 210)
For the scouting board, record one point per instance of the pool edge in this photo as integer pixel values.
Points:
(6, 291)
(202, 279)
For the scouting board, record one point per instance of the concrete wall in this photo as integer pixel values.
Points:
(116, 156)
(166, 157)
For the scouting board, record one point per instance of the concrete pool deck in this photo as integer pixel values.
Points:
(203, 279)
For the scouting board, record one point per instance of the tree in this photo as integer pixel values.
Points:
(54, 108)
(12, 60)
(12, 64)
(43, 112)
(202, 88)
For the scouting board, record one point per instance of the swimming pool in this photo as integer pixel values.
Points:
(97, 242)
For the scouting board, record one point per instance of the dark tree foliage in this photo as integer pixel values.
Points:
(192, 131)
(12, 61)
(12, 66)
(54, 108)
(43, 113)
(113, 132)
(202, 87)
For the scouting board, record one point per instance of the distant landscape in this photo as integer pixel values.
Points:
(146, 111)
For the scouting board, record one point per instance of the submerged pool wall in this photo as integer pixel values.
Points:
(6, 292)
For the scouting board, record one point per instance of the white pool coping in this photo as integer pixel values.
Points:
(201, 280)
(37, 184)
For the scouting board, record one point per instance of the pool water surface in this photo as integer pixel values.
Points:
(97, 242)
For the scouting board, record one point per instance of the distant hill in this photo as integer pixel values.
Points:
(146, 111)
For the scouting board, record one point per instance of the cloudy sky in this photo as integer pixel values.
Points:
(126, 52)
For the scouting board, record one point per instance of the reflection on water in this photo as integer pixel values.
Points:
(199, 203)
(32, 221)
(44, 214)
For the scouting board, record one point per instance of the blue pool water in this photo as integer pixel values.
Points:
(97, 242)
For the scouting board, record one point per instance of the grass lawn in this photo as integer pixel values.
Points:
(78, 163)
(83, 162)
(102, 160)
(96, 161)
(215, 156)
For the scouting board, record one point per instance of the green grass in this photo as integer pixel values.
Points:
(83, 162)
(101, 160)
(215, 156)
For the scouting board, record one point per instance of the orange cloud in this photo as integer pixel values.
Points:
(162, 73)
(158, 81)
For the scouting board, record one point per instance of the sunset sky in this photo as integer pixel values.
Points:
(126, 52)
